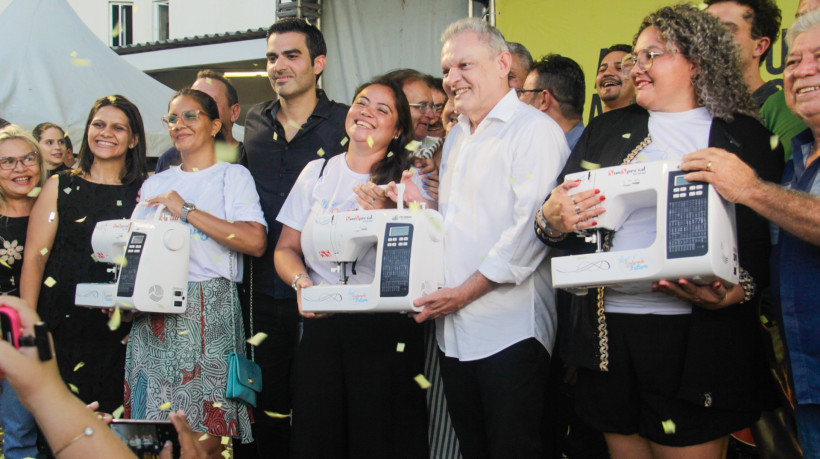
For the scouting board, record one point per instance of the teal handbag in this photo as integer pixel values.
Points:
(244, 379)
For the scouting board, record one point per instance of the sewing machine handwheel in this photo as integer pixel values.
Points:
(173, 239)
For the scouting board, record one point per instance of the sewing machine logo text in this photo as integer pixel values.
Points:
(324, 253)
(633, 263)
(359, 297)
(359, 218)
(628, 171)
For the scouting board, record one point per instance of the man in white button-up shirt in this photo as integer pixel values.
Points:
(495, 318)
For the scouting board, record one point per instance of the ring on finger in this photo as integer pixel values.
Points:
(373, 201)
(577, 209)
(573, 199)
(709, 166)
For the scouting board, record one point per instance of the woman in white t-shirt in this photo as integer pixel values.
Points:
(353, 376)
(182, 359)
(673, 367)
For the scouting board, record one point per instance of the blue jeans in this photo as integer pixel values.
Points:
(808, 430)
(19, 428)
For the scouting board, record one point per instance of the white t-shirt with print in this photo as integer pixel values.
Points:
(224, 190)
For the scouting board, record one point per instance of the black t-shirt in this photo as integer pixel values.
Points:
(276, 163)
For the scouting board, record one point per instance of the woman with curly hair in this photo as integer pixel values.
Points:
(674, 366)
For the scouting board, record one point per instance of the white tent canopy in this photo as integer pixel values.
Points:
(54, 68)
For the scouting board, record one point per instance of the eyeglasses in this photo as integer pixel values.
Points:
(439, 107)
(643, 57)
(521, 92)
(424, 107)
(188, 118)
(10, 162)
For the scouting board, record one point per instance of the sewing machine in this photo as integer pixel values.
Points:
(696, 236)
(409, 259)
(150, 266)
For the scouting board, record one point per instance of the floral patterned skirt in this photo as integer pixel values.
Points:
(183, 359)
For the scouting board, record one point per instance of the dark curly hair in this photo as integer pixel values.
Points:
(705, 42)
(764, 17)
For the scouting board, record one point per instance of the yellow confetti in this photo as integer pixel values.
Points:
(34, 192)
(94, 257)
(226, 440)
(276, 415)
(414, 207)
(217, 405)
(165, 406)
(702, 6)
(80, 220)
(208, 80)
(627, 135)
(115, 32)
(74, 388)
(81, 62)
(529, 176)
(230, 221)
(115, 320)
(293, 124)
(226, 454)
(774, 141)
(257, 339)
(320, 152)
(182, 332)
(668, 426)
(74, 54)
(275, 136)
(344, 141)
(226, 153)
(511, 181)
(422, 381)
(413, 145)
(119, 203)
(118, 412)
(204, 437)
(112, 99)
(589, 166)
(399, 347)
(195, 169)
(370, 141)
(3, 262)
(389, 154)
(78, 366)
(120, 260)
(231, 236)
(50, 281)
(52, 216)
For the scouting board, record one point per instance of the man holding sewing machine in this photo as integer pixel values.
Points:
(795, 208)
(670, 368)
(495, 318)
(281, 137)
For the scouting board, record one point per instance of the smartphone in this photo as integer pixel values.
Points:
(10, 325)
(145, 437)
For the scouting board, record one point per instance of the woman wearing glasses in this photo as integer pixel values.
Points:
(183, 358)
(674, 366)
(58, 252)
(21, 170)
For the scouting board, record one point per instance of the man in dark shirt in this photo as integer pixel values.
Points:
(281, 137)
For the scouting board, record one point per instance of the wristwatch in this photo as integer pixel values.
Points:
(296, 278)
(187, 208)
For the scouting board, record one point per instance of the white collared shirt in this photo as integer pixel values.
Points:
(492, 183)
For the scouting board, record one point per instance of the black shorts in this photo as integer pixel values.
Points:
(639, 393)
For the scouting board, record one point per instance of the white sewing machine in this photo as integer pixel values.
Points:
(150, 259)
(409, 259)
(696, 236)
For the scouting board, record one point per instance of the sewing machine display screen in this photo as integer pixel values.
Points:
(395, 275)
(686, 218)
(128, 273)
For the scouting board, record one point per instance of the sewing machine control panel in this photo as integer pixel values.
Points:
(395, 280)
(128, 273)
(687, 217)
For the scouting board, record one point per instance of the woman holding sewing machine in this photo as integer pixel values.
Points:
(353, 376)
(58, 252)
(183, 358)
(673, 364)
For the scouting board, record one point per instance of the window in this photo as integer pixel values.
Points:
(121, 24)
(161, 20)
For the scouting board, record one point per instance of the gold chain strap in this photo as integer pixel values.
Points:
(603, 334)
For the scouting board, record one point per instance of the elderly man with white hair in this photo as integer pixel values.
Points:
(794, 207)
(495, 318)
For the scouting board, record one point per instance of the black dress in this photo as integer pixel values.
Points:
(12, 241)
(82, 335)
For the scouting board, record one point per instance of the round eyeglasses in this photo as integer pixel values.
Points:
(188, 118)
